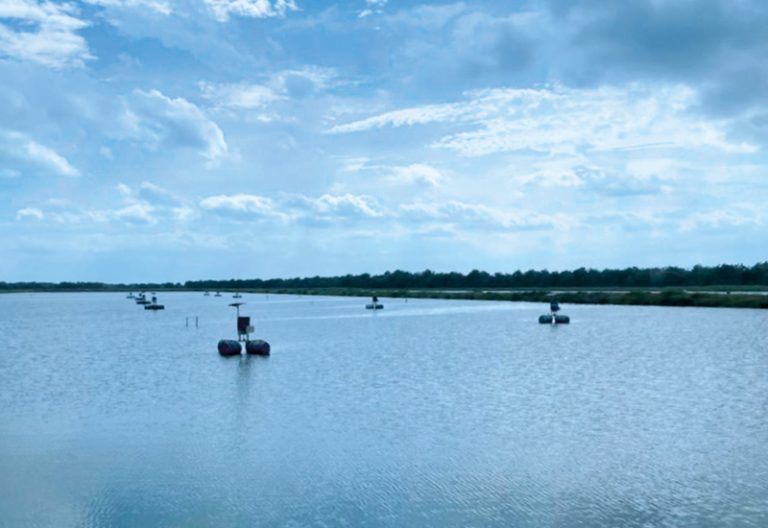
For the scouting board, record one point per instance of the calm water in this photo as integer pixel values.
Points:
(429, 413)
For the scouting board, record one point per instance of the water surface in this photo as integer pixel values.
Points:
(428, 413)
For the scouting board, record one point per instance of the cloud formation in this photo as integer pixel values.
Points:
(246, 207)
(42, 32)
(151, 204)
(162, 121)
(240, 96)
(30, 212)
(419, 173)
(158, 6)
(559, 119)
(560, 132)
(224, 9)
(19, 147)
(464, 215)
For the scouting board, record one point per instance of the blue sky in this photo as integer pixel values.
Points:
(166, 140)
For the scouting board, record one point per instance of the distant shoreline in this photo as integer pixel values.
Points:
(707, 297)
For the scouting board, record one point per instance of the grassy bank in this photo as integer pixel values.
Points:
(667, 297)
(722, 296)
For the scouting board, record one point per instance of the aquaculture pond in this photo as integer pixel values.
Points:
(426, 413)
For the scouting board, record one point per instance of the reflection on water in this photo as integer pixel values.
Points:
(429, 413)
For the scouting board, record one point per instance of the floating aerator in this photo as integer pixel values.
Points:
(229, 347)
(374, 304)
(552, 317)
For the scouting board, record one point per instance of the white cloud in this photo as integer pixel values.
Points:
(154, 194)
(407, 117)
(163, 8)
(62, 212)
(417, 173)
(372, 7)
(558, 120)
(162, 121)
(735, 216)
(557, 172)
(649, 168)
(478, 216)
(246, 206)
(279, 86)
(345, 205)
(29, 212)
(136, 213)
(299, 81)
(49, 158)
(42, 32)
(21, 149)
(290, 208)
(239, 96)
(428, 17)
(354, 164)
(150, 205)
(223, 9)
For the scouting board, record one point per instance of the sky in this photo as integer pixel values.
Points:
(173, 140)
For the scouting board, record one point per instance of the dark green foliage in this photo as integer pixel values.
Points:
(668, 277)
(669, 286)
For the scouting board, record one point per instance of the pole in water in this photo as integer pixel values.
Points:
(196, 321)
(186, 321)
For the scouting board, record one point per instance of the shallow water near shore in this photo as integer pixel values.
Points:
(427, 413)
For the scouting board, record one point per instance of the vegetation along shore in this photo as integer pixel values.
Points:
(735, 286)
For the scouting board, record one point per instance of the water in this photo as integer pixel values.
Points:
(428, 413)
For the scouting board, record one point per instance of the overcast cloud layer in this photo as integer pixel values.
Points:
(166, 140)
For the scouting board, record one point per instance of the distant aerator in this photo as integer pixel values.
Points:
(230, 347)
(374, 304)
(553, 317)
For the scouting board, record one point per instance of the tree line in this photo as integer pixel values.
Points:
(723, 275)
(660, 277)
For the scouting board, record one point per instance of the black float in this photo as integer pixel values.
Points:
(553, 317)
(258, 347)
(229, 347)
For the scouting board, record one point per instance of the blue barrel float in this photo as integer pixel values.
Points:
(257, 347)
(229, 347)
